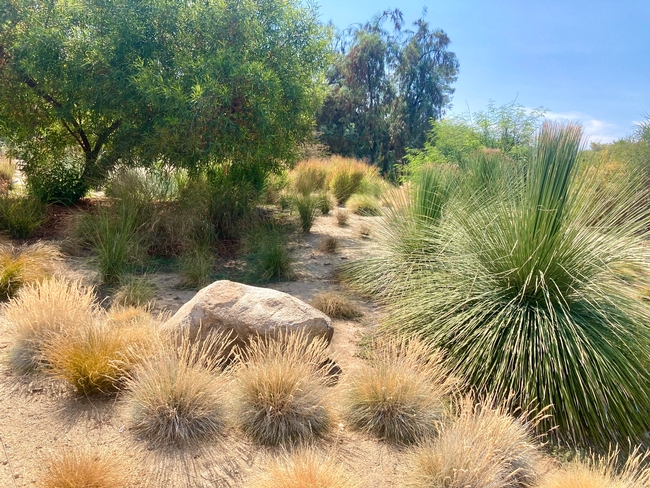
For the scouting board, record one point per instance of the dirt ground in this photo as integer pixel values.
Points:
(39, 417)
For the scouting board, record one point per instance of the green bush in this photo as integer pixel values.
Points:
(365, 205)
(525, 294)
(57, 179)
(20, 216)
(271, 258)
(344, 182)
(307, 207)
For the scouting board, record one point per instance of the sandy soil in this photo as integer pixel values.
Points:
(39, 417)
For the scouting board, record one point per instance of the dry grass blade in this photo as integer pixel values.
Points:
(401, 394)
(178, 397)
(282, 397)
(87, 468)
(305, 468)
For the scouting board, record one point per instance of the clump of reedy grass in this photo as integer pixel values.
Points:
(281, 395)
(401, 393)
(178, 396)
(305, 468)
(484, 447)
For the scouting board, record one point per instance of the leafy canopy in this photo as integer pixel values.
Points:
(190, 83)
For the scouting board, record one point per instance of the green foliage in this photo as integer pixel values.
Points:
(135, 291)
(271, 259)
(526, 293)
(345, 182)
(20, 216)
(138, 82)
(386, 86)
(364, 205)
(196, 266)
(114, 235)
(56, 179)
(308, 207)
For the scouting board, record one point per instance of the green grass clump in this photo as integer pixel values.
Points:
(178, 397)
(365, 205)
(273, 260)
(282, 396)
(135, 291)
(522, 292)
(400, 395)
(196, 266)
(20, 216)
(307, 207)
(345, 180)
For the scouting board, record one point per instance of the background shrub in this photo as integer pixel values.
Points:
(57, 178)
(196, 266)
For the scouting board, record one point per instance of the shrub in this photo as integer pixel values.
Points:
(96, 357)
(282, 394)
(135, 291)
(7, 172)
(271, 258)
(401, 394)
(335, 305)
(25, 265)
(364, 205)
(42, 310)
(341, 217)
(329, 244)
(20, 216)
(96, 468)
(57, 179)
(178, 397)
(482, 447)
(601, 472)
(196, 266)
(304, 469)
(535, 266)
(309, 177)
(307, 207)
(276, 183)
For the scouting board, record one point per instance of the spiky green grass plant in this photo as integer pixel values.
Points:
(308, 207)
(523, 294)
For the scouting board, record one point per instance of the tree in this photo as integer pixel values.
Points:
(135, 81)
(386, 85)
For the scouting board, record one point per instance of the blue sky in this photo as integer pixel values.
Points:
(581, 60)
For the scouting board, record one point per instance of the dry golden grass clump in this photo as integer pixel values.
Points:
(400, 395)
(178, 397)
(342, 216)
(483, 447)
(43, 310)
(96, 358)
(305, 468)
(22, 265)
(601, 472)
(282, 394)
(87, 468)
(336, 305)
(329, 244)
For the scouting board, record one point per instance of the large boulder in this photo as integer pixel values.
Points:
(248, 311)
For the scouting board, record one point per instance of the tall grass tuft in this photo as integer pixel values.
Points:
(305, 468)
(20, 216)
(401, 395)
(282, 396)
(336, 305)
(523, 295)
(272, 259)
(135, 291)
(483, 447)
(178, 396)
(96, 468)
(307, 206)
(365, 205)
(41, 311)
(196, 266)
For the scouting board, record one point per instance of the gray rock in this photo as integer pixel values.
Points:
(248, 311)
